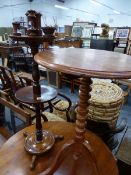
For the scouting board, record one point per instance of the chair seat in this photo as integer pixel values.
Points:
(61, 106)
(52, 117)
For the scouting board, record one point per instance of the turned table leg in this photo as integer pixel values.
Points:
(78, 153)
(37, 94)
(84, 95)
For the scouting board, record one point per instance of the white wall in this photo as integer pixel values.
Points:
(104, 14)
(46, 7)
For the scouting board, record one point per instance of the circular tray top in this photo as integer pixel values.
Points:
(90, 62)
(26, 38)
(26, 95)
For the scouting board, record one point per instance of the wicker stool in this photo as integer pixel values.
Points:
(105, 103)
(104, 109)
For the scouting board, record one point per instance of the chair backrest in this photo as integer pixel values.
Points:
(11, 82)
(8, 79)
(5, 100)
(5, 36)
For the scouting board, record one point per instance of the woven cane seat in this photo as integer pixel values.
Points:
(105, 103)
(62, 106)
(60, 114)
(105, 93)
(57, 115)
(52, 117)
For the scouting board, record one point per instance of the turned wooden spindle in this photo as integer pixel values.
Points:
(84, 95)
(36, 92)
(35, 69)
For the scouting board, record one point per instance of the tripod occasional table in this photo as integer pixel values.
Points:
(87, 63)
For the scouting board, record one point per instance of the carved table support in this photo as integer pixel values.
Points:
(77, 151)
(78, 156)
(36, 90)
(40, 141)
(84, 95)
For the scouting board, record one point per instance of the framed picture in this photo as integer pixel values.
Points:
(122, 33)
(87, 31)
(77, 31)
(82, 29)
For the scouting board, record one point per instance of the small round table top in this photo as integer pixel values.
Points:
(27, 95)
(36, 39)
(90, 62)
(15, 160)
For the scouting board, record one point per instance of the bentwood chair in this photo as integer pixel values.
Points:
(11, 83)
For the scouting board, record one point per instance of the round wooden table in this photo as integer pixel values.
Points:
(15, 160)
(91, 62)
(87, 63)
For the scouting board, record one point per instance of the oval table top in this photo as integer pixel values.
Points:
(90, 62)
(15, 160)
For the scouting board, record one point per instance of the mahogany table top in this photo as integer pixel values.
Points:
(8, 49)
(27, 95)
(36, 39)
(15, 160)
(90, 62)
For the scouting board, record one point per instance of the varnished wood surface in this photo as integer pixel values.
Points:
(91, 62)
(5, 50)
(36, 39)
(15, 160)
(4, 135)
(10, 47)
(27, 94)
(68, 43)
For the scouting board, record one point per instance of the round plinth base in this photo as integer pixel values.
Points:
(34, 147)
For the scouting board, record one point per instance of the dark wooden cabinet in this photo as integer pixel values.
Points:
(102, 44)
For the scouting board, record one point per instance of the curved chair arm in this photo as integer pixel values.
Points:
(61, 105)
(67, 99)
(25, 81)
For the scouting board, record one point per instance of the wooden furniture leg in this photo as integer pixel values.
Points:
(77, 155)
